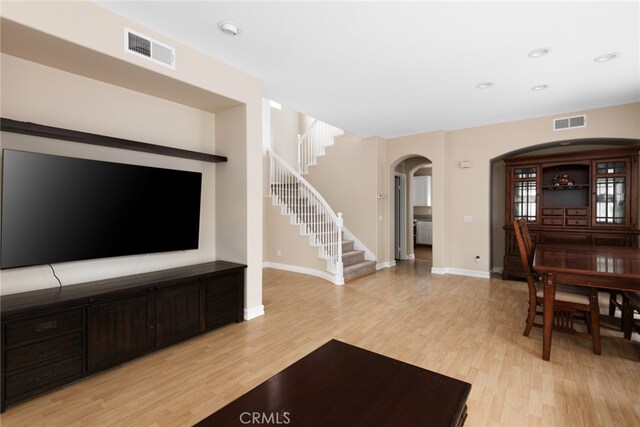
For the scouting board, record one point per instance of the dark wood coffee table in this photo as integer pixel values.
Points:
(342, 385)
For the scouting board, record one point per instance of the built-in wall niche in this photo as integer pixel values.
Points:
(555, 193)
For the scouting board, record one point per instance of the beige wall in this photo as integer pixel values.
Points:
(285, 127)
(33, 92)
(86, 40)
(347, 177)
(468, 190)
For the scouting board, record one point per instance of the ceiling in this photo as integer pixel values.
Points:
(399, 68)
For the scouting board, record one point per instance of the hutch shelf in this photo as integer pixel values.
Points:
(586, 197)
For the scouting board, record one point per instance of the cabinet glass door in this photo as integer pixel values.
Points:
(610, 179)
(525, 193)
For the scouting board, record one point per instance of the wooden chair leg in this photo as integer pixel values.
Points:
(612, 303)
(531, 317)
(627, 319)
(595, 323)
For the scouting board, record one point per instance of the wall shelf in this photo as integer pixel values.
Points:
(27, 128)
(565, 187)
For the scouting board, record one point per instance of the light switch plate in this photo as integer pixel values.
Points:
(467, 218)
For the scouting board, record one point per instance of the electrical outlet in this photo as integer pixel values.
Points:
(477, 259)
(279, 252)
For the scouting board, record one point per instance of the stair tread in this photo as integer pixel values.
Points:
(360, 269)
(359, 265)
(352, 253)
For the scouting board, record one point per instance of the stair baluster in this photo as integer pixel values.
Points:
(310, 211)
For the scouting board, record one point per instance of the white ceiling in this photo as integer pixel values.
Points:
(400, 68)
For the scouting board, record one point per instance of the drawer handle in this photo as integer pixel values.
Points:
(45, 350)
(52, 324)
(47, 374)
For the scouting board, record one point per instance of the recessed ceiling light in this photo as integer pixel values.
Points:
(537, 88)
(229, 28)
(565, 143)
(607, 57)
(484, 85)
(539, 53)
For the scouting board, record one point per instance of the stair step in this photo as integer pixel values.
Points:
(352, 258)
(347, 245)
(359, 269)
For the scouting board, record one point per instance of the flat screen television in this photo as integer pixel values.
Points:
(58, 209)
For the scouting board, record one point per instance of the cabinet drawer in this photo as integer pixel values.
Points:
(611, 240)
(222, 301)
(43, 351)
(582, 222)
(552, 221)
(43, 327)
(219, 318)
(566, 238)
(553, 211)
(54, 373)
(224, 284)
(577, 211)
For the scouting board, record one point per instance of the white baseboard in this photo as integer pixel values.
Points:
(496, 270)
(303, 270)
(254, 312)
(387, 264)
(461, 272)
(411, 256)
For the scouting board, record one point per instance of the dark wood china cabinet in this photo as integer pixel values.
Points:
(586, 197)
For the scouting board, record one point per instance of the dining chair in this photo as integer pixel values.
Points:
(616, 302)
(631, 306)
(568, 301)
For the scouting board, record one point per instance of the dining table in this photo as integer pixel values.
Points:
(603, 267)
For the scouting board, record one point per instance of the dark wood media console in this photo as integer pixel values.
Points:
(54, 336)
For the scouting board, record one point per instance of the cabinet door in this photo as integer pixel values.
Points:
(419, 191)
(611, 192)
(120, 330)
(525, 181)
(429, 235)
(424, 235)
(179, 313)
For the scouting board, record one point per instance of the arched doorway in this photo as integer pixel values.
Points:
(412, 205)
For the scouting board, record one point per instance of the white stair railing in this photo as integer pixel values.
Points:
(309, 210)
(312, 143)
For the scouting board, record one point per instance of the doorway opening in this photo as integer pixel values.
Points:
(413, 225)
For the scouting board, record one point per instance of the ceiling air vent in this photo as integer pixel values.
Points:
(570, 122)
(146, 47)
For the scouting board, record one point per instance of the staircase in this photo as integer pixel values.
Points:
(316, 220)
(312, 144)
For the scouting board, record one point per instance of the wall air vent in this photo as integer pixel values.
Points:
(570, 122)
(146, 47)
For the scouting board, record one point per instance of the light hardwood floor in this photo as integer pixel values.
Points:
(467, 328)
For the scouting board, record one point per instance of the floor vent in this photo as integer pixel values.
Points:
(146, 47)
(570, 122)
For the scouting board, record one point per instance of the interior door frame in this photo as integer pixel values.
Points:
(400, 209)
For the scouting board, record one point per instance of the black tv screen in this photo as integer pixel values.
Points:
(58, 209)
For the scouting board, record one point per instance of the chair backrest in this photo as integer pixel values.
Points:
(525, 247)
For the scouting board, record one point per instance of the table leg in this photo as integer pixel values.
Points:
(549, 282)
